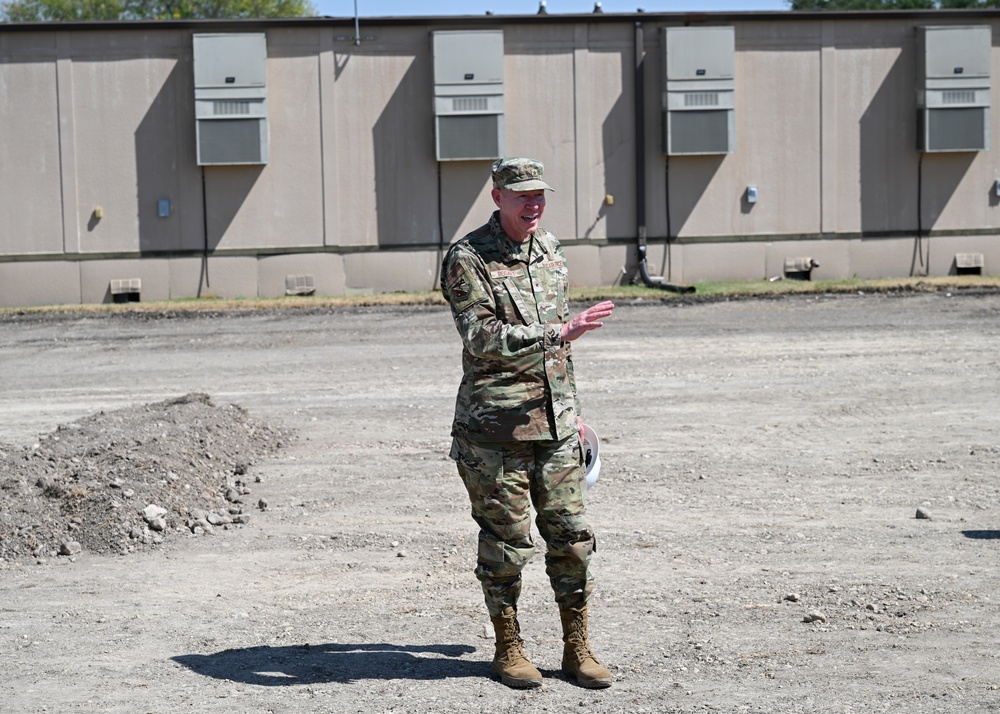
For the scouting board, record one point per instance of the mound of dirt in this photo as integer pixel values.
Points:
(125, 480)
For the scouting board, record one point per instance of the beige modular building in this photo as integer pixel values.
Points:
(155, 160)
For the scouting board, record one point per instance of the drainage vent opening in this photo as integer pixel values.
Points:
(969, 263)
(300, 285)
(126, 290)
(799, 268)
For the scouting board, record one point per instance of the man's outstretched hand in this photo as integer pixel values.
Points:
(589, 319)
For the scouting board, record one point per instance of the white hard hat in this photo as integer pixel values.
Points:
(591, 455)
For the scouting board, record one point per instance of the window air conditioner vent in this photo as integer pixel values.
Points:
(958, 96)
(701, 99)
(230, 107)
(470, 104)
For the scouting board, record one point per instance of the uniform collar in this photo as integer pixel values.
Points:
(511, 250)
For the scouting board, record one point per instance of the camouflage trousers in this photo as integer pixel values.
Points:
(504, 480)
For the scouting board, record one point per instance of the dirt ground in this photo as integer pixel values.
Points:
(759, 550)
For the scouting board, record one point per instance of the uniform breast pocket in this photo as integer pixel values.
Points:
(506, 310)
(517, 297)
(551, 283)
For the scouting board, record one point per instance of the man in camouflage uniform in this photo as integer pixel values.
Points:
(516, 434)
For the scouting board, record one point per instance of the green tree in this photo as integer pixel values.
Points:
(69, 10)
(890, 4)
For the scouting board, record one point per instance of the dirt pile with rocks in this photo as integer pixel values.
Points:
(125, 480)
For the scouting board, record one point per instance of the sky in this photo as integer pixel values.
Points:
(415, 8)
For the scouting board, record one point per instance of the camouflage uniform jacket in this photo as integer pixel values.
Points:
(509, 302)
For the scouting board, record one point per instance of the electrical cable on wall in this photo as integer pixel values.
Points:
(919, 247)
(653, 281)
(204, 224)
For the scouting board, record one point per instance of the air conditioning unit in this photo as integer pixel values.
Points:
(230, 98)
(698, 98)
(468, 94)
(953, 88)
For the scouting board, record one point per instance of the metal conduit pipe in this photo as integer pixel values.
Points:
(652, 281)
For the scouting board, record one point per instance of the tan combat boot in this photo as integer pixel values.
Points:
(578, 661)
(509, 663)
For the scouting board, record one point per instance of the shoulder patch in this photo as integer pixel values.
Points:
(461, 285)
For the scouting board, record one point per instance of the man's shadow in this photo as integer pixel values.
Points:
(344, 663)
(982, 535)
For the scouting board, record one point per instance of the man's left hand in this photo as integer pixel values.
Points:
(589, 319)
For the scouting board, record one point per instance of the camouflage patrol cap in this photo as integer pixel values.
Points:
(518, 174)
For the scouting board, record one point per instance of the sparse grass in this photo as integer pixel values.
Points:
(763, 288)
(703, 290)
(216, 304)
(872, 285)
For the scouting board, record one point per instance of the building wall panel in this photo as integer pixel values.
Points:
(385, 183)
(30, 178)
(96, 277)
(392, 271)
(48, 282)
(327, 270)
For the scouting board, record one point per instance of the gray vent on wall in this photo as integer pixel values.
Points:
(953, 87)
(468, 94)
(699, 132)
(231, 141)
(961, 96)
(470, 136)
(470, 104)
(955, 130)
(230, 98)
(701, 99)
(698, 90)
(231, 107)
